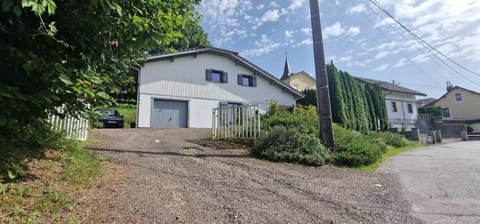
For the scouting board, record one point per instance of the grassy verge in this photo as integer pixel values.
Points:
(48, 192)
(391, 152)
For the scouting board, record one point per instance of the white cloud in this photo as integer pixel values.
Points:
(307, 31)
(353, 30)
(357, 9)
(400, 63)
(307, 41)
(421, 58)
(260, 7)
(345, 59)
(274, 4)
(262, 46)
(296, 4)
(333, 30)
(382, 67)
(337, 29)
(270, 16)
(382, 54)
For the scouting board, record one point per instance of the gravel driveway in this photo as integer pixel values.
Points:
(160, 176)
(442, 181)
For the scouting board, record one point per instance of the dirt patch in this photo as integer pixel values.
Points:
(183, 182)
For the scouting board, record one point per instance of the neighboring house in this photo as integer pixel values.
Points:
(401, 104)
(460, 104)
(424, 102)
(299, 81)
(181, 89)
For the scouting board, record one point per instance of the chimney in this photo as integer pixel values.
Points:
(449, 86)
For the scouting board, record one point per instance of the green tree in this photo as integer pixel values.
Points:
(309, 99)
(72, 53)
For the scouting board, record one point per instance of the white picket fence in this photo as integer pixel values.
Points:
(74, 127)
(240, 122)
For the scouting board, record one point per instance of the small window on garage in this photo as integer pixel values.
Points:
(247, 80)
(410, 108)
(213, 75)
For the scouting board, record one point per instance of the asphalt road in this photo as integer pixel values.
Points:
(441, 181)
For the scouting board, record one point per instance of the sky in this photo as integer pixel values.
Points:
(358, 37)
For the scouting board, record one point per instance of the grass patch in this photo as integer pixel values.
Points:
(389, 153)
(47, 191)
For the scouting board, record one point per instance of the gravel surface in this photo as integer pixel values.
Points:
(160, 176)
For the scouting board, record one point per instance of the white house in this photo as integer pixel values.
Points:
(181, 89)
(401, 104)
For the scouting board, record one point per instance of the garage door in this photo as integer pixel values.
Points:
(169, 114)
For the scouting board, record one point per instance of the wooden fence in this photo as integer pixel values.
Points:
(240, 122)
(74, 127)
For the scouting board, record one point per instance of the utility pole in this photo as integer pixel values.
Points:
(323, 95)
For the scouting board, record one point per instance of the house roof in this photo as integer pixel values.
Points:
(391, 87)
(425, 101)
(234, 57)
(303, 72)
(450, 90)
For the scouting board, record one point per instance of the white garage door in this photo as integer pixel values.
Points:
(169, 114)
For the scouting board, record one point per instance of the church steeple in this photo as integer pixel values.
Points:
(286, 70)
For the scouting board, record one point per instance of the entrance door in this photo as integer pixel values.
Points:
(169, 114)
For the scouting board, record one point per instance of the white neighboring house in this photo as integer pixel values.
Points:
(401, 104)
(181, 89)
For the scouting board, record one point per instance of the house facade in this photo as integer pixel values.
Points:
(181, 89)
(299, 81)
(460, 105)
(401, 104)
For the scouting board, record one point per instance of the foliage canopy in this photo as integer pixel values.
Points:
(73, 53)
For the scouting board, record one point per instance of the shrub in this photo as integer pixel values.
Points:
(303, 120)
(389, 138)
(354, 149)
(290, 145)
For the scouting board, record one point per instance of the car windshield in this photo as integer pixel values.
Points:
(106, 112)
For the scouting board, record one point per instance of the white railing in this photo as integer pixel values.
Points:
(75, 127)
(240, 122)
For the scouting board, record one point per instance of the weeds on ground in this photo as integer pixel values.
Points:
(45, 191)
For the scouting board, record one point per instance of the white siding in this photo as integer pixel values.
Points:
(402, 117)
(184, 79)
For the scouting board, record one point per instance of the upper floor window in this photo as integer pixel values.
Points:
(458, 97)
(216, 76)
(247, 80)
(410, 108)
(394, 107)
(445, 112)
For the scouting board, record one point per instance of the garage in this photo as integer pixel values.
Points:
(169, 114)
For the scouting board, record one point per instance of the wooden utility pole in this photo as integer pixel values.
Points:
(323, 95)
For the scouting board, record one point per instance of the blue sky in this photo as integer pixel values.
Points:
(357, 37)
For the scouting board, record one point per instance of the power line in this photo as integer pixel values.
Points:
(419, 39)
(401, 52)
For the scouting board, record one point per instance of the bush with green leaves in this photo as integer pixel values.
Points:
(303, 119)
(389, 139)
(291, 145)
(354, 149)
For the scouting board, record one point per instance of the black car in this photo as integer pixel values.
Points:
(110, 118)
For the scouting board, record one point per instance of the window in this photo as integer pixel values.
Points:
(445, 112)
(247, 80)
(410, 108)
(216, 76)
(458, 97)
(394, 107)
